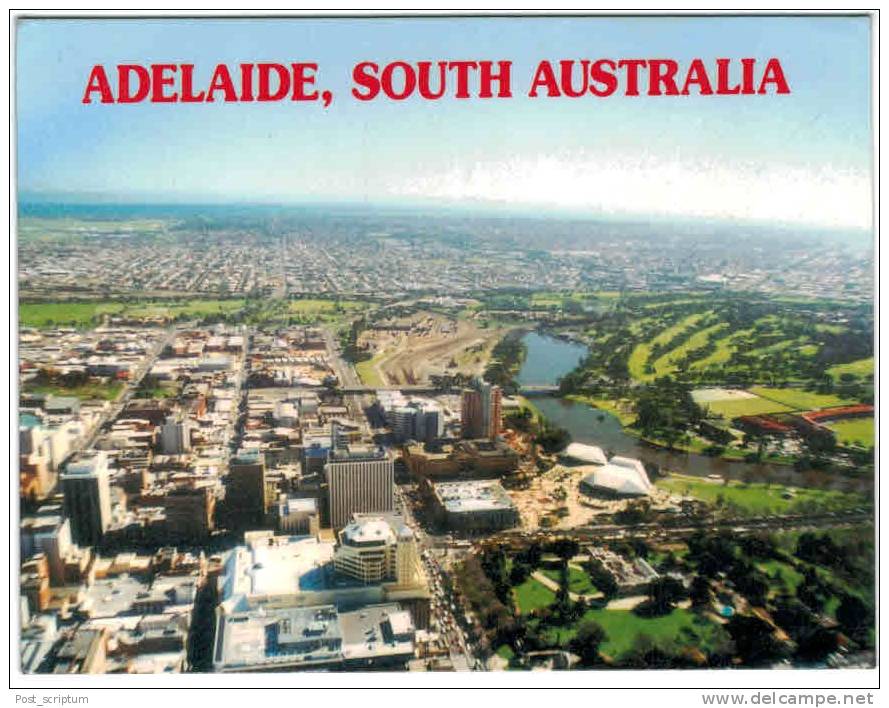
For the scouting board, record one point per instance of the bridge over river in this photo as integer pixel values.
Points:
(429, 389)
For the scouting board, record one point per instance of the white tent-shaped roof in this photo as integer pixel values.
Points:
(622, 476)
(587, 454)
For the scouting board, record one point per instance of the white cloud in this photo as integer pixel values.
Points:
(650, 185)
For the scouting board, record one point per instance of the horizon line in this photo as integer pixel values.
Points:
(473, 208)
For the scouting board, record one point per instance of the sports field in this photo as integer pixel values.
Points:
(731, 403)
(640, 354)
(799, 400)
(858, 432)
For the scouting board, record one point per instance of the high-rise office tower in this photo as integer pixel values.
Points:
(420, 420)
(480, 412)
(358, 481)
(491, 409)
(245, 489)
(87, 492)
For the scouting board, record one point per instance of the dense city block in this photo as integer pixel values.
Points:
(262, 439)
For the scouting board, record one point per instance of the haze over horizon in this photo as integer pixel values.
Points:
(803, 159)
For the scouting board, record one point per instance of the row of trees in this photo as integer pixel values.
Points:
(506, 360)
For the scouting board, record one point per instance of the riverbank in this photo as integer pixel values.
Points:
(507, 358)
(623, 412)
(620, 409)
(606, 423)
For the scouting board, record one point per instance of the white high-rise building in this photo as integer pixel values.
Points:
(377, 549)
(420, 420)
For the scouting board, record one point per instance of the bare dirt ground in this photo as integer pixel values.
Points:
(434, 345)
(559, 488)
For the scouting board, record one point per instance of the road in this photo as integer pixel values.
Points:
(442, 602)
(126, 395)
(345, 372)
(444, 605)
(613, 532)
(357, 396)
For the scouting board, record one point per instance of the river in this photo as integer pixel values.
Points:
(548, 358)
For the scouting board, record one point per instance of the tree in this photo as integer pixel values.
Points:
(562, 604)
(553, 439)
(564, 548)
(519, 572)
(819, 549)
(531, 555)
(646, 653)
(587, 641)
(750, 582)
(813, 641)
(854, 616)
(701, 595)
(662, 593)
(754, 640)
(812, 592)
(817, 643)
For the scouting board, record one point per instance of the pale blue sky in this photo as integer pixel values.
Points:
(668, 155)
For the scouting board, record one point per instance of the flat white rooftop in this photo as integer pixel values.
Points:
(277, 565)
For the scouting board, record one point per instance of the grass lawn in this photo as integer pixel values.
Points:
(367, 373)
(833, 329)
(159, 391)
(504, 651)
(861, 368)
(86, 314)
(666, 365)
(757, 498)
(623, 626)
(64, 314)
(545, 299)
(858, 431)
(733, 408)
(797, 399)
(790, 575)
(101, 391)
(725, 347)
(578, 580)
(532, 595)
(310, 306)
(622, 409)
(187, 308)
(639, 355)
